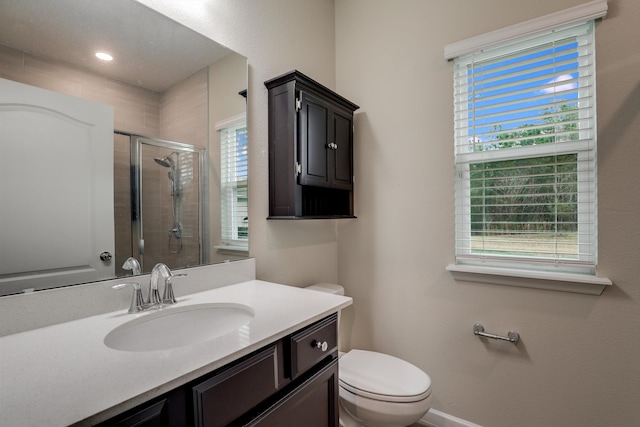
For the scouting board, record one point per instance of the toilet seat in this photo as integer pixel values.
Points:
(382, 377)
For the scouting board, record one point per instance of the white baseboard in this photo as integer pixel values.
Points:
(435, 418)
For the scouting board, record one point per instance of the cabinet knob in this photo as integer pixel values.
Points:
(322, 345)
(332, 146)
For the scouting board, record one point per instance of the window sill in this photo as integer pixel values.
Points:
(564, 282)
(232, 249)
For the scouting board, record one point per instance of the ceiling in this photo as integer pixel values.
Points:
(149, 49)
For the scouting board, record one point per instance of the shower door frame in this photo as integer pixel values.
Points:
(137, 238)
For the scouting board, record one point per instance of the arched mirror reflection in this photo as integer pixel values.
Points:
(142, 156)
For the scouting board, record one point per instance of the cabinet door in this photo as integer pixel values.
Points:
(226, 396)
(313, 119)
(341, 152)
(326, 144)
(169, 411)
(313, 404)
(151, 416)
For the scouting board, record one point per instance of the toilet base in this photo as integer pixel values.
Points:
(346, 420)
(356, 411)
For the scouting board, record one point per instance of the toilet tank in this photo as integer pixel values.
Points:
(329, 288)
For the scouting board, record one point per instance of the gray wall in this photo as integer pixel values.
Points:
(577, 364)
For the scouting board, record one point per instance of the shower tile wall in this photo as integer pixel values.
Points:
(136, 110)
(183, 118)
(184, 110)
(173, 115)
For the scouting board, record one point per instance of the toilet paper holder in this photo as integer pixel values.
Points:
(512, 336)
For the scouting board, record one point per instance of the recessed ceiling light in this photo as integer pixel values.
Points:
(104, 56)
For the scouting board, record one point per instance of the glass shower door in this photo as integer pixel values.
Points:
(168, 205)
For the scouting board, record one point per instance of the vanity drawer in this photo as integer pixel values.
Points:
(313, 344)
(233, 392)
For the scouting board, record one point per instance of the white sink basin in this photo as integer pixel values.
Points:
(179, 326)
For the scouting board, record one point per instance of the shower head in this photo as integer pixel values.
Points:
(165, 161)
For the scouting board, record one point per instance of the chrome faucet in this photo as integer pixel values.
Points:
(133, 265)
(161, 270)
(137, 302)
(153, 299)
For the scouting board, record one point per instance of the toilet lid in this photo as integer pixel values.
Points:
(382, 377)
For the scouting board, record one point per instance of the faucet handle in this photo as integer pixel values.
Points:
(137, 301)
(168, 297)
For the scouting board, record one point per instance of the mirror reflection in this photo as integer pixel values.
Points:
(143, 156)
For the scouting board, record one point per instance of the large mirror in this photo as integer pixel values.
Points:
(142, 156)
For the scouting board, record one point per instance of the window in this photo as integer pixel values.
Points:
(233, 184)
(525, 153)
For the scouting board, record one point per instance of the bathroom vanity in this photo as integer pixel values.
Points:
(292, 382)
(278, 369)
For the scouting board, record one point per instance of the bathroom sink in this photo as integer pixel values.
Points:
(179, 326)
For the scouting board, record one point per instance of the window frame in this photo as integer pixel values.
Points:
(534, 272)
(235, 243)
(586, 219)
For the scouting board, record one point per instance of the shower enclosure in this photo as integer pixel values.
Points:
(175, 189)
(161, 207)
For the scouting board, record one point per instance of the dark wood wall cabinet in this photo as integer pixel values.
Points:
(310, 150)
(292, 382)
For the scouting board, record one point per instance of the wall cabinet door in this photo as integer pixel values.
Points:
(313, 119)
(326, 144)
(342, 152)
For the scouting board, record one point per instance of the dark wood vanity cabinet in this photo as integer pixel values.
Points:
(310, 150)
(312, 404)
(216, 400)
(291, 382)
(168, 410)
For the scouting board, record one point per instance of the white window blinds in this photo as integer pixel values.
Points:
(233, 185)
(525, 152)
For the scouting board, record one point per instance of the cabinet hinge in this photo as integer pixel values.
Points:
(298, 104)
(298, 168)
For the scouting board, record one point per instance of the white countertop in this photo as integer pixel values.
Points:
(64, 374)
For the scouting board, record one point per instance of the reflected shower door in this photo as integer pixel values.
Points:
(169, 204)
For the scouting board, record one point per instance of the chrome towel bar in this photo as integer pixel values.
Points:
(512, 336)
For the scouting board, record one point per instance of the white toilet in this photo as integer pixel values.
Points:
(376, 389)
